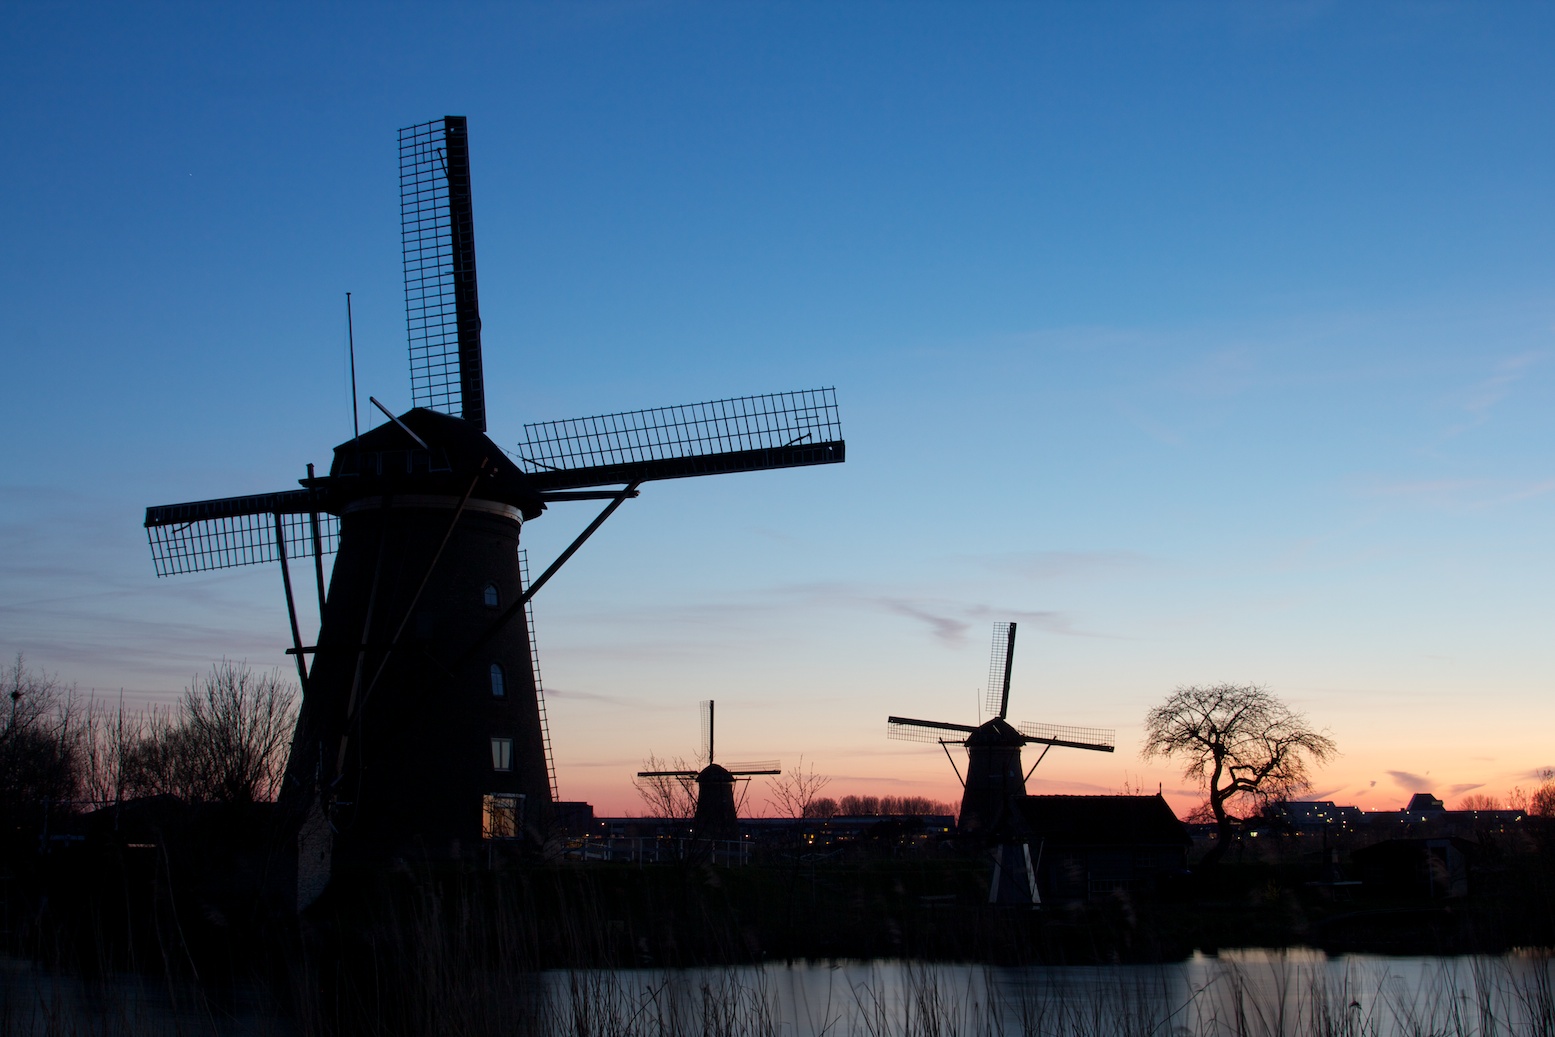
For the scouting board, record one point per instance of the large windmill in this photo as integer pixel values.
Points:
(420, 727)
(716, 814)
(993, 748)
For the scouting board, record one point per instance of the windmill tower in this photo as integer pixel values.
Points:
(993, 749)
(420, 728)
(716, 815)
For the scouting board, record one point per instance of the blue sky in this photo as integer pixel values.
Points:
(1209, 342)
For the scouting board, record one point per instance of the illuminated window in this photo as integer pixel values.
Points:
(490, 596)
(502, 754)
(502, 816)
(499, 683)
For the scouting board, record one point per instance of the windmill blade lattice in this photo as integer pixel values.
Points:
(1097, 738)
(706, 707)
(1000, 665)
(905, 730)
(203, 536)
(747, 767)
(746, 433)
(437, 236)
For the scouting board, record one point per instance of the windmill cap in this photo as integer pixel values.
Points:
(385, 458)
(996, 732)
(715, 773)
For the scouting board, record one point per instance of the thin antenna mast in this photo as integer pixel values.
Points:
(356, 426)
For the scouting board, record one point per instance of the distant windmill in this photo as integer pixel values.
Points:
(993, 766)
(716, 816)
(420, 726)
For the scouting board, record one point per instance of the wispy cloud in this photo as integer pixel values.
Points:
(947, 628)
(619, 701)
(1459, 494)
(1058, 565)
(1454, 791)
(1483, 397)
(1411, 782)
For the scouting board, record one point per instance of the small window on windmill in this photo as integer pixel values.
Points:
(490, 596)
(499, 682)
(502, 815)
(502, 754)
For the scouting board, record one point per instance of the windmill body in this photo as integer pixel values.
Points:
(717, 815)
(422, 726)
(995, 775)
(413, 733)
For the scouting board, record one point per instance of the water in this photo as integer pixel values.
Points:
(1262, 993)
(1246, 993)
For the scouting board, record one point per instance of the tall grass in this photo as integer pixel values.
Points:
(1246, 995)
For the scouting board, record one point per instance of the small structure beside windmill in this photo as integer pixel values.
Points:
(717, 814)
(421, 729)
(995, 779)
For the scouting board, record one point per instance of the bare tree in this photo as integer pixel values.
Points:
(1237, 742)
(1479, 801)
(794, 792)
(666, 796)
(225, 742)
(40, 739)
(1541, 801)
(825, 806)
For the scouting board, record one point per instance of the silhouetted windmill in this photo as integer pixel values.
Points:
(420, 725)
(993, 765)
(716, 814)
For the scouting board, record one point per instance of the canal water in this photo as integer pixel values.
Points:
(1248, 993)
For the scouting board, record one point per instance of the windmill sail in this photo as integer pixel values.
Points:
(746, 768)
(437, 234)
(908, 730)
(999, 667)
(201, 536)
(747, 433)
(1097, 739)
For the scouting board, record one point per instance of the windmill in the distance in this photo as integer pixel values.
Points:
(993, 748)
(717, 816)
(420, 727)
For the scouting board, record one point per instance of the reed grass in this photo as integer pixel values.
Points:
(1273, 995)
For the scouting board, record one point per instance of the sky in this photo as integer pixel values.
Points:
(1207, 342)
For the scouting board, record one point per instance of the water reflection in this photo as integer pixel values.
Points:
(1249, 992)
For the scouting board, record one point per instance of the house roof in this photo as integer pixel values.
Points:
(1103, 820)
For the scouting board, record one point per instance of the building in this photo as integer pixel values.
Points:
(1086, 847)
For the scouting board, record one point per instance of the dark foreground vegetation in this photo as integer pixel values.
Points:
(182, 898)
(145, 887)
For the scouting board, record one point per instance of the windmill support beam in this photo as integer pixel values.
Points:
(1040, 757)
(291, 605)
(318, 549)
(529, 592)
(946, 746)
